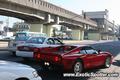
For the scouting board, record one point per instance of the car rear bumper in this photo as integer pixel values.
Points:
(24, 54)
(12, 49)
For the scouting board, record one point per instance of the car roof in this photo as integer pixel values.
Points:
(38, 37)
(79, 45)
(44, 37)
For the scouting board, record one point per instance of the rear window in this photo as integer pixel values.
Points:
(37, 40)
(21, 37)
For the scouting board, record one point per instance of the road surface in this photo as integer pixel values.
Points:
(113, 47)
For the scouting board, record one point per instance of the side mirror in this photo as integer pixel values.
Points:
(99, 51)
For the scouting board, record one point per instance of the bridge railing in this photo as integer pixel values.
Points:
(51, 8)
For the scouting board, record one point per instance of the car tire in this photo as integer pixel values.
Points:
(78, 67)
(26, 59)
(107, 63)
(22, 79)
(14, 54)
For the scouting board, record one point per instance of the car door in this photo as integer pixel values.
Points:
(86, 57)
(93, 56)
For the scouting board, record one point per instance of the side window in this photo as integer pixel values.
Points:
(90, 50)
(57, 42)
(50, 41)
(40, 40)
(82, 52)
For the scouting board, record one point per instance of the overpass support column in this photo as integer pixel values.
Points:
(82, 35)
(36, 28)
(48, 29)
(78, 34)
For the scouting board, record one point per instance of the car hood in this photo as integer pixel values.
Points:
(10, 64)
(105, 52)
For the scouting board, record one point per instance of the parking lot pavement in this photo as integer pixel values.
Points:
(115, 68)
(111, 46)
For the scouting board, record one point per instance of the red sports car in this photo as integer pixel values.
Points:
(73, 57)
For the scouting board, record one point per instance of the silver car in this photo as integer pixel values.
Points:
(16, 71)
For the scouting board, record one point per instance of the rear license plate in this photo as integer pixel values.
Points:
(24, 54)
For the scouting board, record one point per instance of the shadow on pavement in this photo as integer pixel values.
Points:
(116, 63)
(56, 75)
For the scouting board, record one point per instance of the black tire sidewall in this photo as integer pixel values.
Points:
(105, 62)
(81, 65)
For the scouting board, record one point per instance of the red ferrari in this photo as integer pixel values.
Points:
(73, 57)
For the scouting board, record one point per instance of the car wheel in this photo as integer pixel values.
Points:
(22, 79)
(14, 54)
(107, 62)
(78, 67)
(26, 59)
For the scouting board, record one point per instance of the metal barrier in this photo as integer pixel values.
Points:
(3, 44)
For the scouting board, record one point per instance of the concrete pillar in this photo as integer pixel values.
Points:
(57, 20)
(48, 29)
(76, 34)
(82, 35)
(36, 28)
(47, 18)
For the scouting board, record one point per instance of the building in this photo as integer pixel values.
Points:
(21, 26)
(1, 26)
(106, 29)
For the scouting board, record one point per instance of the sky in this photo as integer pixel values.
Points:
(92, 5)
(87, 5)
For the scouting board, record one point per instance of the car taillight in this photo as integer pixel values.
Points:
(57, 58)
(37, 56)
(36, 49)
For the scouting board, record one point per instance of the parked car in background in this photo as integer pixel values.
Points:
(21, 38)
(1, 37)
(9, 38)
(74, 58)
(16, 71)
(27, 50)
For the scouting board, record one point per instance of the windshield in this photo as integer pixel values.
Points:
(36, 40)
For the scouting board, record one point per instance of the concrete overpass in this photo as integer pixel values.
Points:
(38, 12)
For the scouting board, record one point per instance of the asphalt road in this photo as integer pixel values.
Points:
(113, 47)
